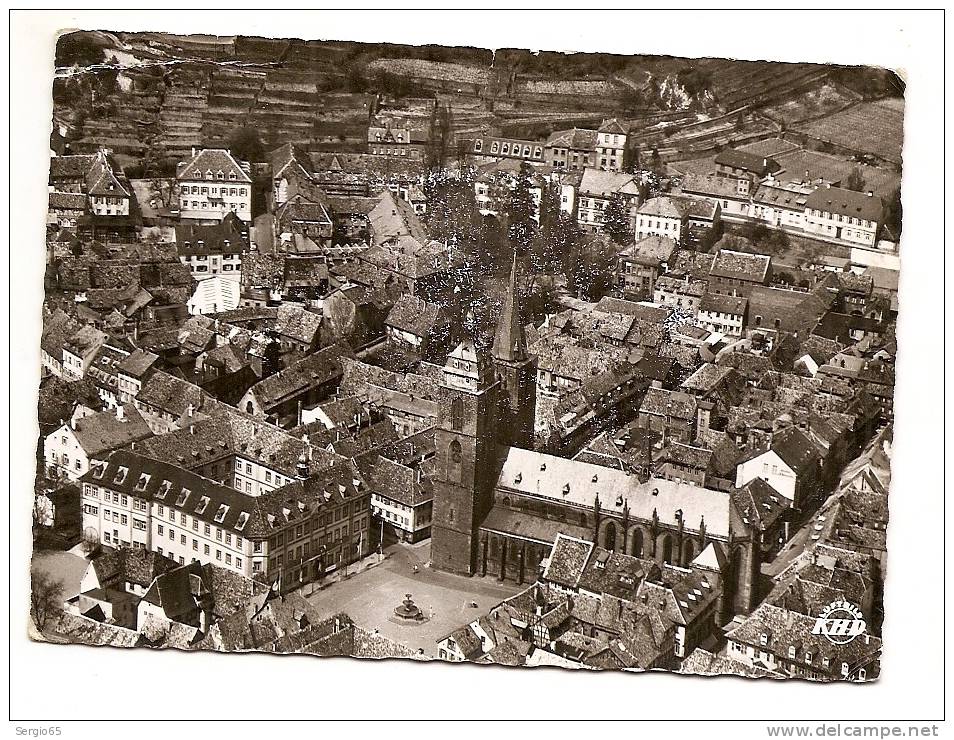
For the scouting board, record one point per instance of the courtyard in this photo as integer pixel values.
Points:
(370, 596)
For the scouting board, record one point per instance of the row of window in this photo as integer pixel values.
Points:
(209, 175)
(196, 205)
(837, 217)
(203, 190)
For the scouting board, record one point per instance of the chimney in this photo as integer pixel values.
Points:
(120, 413)
(189, 410)
(193, 152)
(870, 194)
(192, 429)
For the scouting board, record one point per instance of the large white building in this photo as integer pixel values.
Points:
(213, 184)
(610, 145)
(844, 215)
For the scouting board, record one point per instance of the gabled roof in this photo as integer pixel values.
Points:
(297, 323)
(414, 315)
(651, 250)
(310, 372)
(605, 183)
(214, 161)
(567, 561)
(662, 206)
(611, 126)
(99, 433)
(759, 504)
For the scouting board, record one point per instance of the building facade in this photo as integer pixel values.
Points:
(213, 184)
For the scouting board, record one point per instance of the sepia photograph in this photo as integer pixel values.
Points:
(459, 354)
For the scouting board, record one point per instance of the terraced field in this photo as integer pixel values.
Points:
(874, 127)
(824, 100)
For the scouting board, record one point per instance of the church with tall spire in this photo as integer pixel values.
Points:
(499, 505)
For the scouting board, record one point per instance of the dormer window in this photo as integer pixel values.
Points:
(808, 657)
(142, 482)
(220, 514)
(242, 519)
(844, 669)
(183, 495)
(120, 476)
(763, 639)
(220, 175)
(198, 175)
(231, 176)
(791, 652)
(208, 174)
(203, 503)
(826, 661)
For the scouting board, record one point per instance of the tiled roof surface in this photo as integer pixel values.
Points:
(99, 433)
(740, 265)
(414, 315)
(214, 161)
(847, 203)
(320, 368)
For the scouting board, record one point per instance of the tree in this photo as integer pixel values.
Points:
(246, 145)
(272, 360)
(164, 191)
(892, 213)
(46, 599)
(855, 181)
(592, 267)
(78, 48)
(439, 136)
(521, 222)
(616, 220)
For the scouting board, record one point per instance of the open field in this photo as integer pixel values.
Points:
(867, 127)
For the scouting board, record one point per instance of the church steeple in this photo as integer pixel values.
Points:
(510, 344)
(516, 370)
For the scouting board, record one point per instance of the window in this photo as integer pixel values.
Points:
(160, 530)
(205, 549)
(218, 554)
(238, 562)
(457, 414)
(195, 544)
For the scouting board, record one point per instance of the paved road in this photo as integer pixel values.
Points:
(369, 597)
